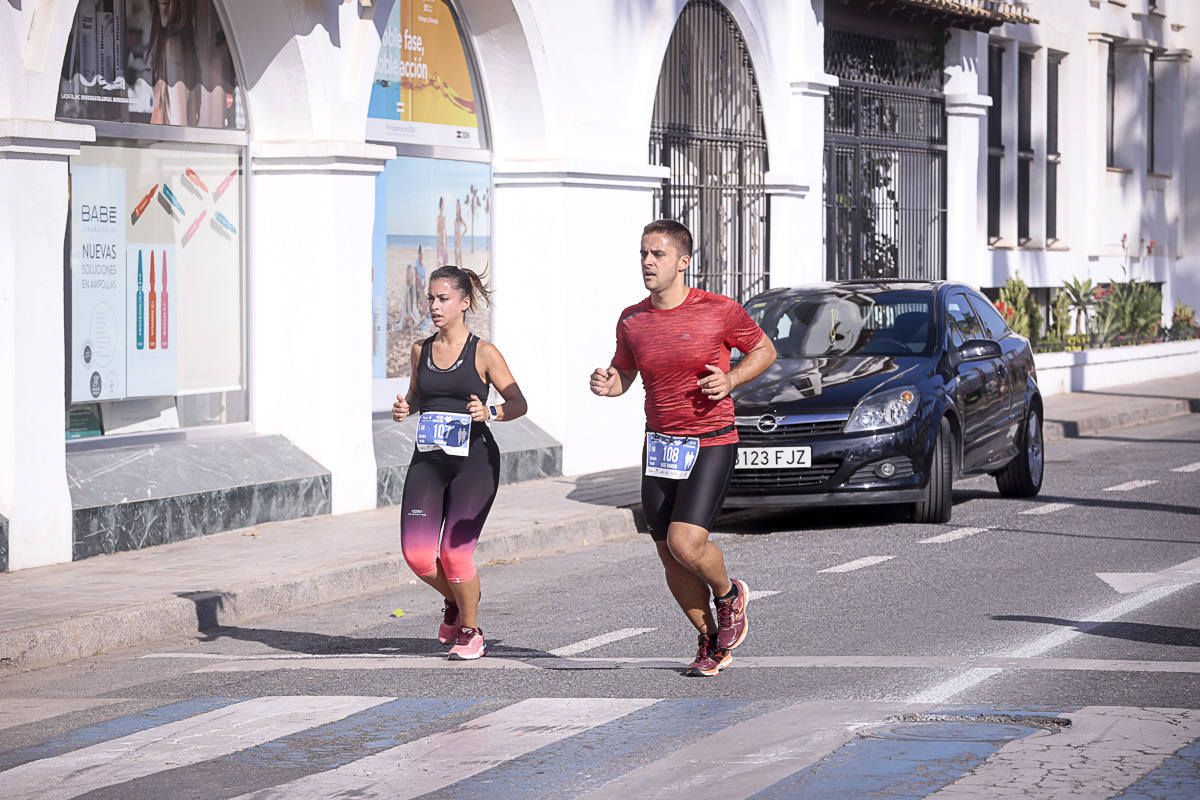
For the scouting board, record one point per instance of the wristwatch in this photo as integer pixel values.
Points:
(492, 411)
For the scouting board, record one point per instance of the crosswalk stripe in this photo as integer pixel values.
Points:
(750, 756)
(188, 741)
(1104, 750)
(679, 661)
(1193, 467)
(952, 536)
(1129, 486)
(598, 641)
(20, 711)
(438, 760)
(758, 594)
(1048, 508)
(858, 563)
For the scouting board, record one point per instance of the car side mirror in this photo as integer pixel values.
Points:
(978, 349)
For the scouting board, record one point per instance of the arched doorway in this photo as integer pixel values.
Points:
(708, 129)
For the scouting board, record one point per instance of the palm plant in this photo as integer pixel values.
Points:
(1081, 297)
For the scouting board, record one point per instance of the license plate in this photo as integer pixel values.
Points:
(773, 458)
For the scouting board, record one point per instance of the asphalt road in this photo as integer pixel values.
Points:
(1045, 648)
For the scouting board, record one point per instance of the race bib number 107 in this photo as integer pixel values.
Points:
(448, 432)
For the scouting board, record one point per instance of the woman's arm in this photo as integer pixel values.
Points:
(499, 375)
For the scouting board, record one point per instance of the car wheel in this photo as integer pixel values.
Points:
(1023, 475)
(937, 503)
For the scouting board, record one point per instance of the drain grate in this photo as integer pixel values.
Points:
(964, 728)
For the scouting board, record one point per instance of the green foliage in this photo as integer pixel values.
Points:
(1062, 314)
(1129, 308)
(1082, 298)
(1027, 318)
(1183, 321)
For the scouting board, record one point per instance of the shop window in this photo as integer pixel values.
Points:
(1110, 106)
(1151, 117)
(433, 203)
(156, 269)
(995, 139)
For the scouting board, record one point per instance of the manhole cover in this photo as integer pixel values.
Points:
(965, 729)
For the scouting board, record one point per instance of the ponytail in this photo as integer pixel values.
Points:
(472, 284)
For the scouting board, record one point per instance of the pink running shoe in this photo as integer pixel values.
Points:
(448, 629)
(469, 645)
(710, 659)
(732, 624)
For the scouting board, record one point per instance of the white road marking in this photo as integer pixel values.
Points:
(677, 662)
(750, 756)
(441, 759)
(1103, 751)
(21, 710)
(1193, 467)
(961, 533)
(858, 563)
(759, 594)
(188, 741)
(1129, 486)
(945, 690)
(1048, 508)
(598, 641)
(1181, 574)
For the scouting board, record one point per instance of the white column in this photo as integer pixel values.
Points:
(1037, 136)
(566, 263)
(1132, 144)
(33, 217)
(797, 227)
(313, 207)
(966, 156)
(1098, 228)
(1008, 137)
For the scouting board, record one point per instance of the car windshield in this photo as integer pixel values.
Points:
(846, 322)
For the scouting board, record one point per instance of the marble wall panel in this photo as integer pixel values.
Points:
(3, 543)
(526, 453)
(132, 525)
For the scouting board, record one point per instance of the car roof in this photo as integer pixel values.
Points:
(862, 286)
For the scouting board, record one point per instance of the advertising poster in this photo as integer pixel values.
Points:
(97, 283)
(433, 212)
(180, 216)
(151, 329)
(164, 62)
(422, 92)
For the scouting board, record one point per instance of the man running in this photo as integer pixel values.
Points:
(680, 339)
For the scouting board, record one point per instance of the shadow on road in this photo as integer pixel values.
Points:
(322, 644)
(1130, 631)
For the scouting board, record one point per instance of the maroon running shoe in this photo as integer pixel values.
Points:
(710, 659)
(732, 623)
(448, 629)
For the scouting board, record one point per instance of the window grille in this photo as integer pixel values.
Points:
(885, 159)
(1053, 157)
(1110, 106)
(708, 128)
(1024, 143)
(1151, 114)
(995, 139)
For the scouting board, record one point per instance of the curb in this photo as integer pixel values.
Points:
(1155, 411)
(60, 642)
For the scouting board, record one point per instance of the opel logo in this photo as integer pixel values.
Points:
(767, 423)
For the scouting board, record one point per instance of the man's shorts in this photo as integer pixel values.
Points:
(696, 499)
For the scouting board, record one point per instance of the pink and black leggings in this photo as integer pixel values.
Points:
(446, 502)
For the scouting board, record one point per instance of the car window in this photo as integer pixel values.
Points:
(846, 321)
(993, 323)
(961, 320)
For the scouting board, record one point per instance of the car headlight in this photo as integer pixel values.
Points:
(887, 409)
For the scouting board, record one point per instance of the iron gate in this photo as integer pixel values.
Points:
(708, 128)
(885, 159)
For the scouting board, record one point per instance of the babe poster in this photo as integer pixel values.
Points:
(164, 62)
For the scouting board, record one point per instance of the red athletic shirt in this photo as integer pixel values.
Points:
(670, 347)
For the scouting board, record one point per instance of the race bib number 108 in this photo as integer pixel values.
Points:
(670, 456)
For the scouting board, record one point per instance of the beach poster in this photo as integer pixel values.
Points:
(429, 212)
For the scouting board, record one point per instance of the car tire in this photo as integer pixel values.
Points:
(1022, 477)
(939, 489)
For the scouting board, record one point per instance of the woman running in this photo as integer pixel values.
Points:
(455, 467)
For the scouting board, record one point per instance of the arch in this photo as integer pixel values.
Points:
(708, 128)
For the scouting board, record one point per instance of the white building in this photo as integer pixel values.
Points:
(300, 166)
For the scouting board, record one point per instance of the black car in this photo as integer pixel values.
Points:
(884, 392)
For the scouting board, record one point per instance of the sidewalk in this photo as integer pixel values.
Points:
(52, 615)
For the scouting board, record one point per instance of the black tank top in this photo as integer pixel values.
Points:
(449, 390)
